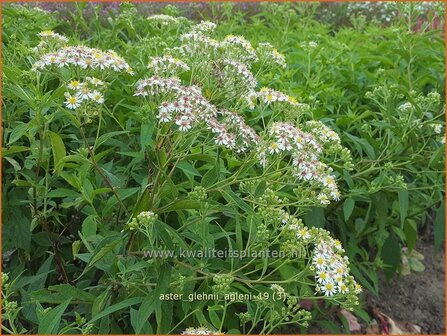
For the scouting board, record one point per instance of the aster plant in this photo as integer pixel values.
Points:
(266, 165)
(225, 165)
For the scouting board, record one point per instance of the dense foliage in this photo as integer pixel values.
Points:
(127, 138)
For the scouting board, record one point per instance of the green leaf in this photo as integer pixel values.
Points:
(58, 149)
(147, 130)
(87, 190)
(232, 198)
(260, 188)
(210, 177)
(103, 138)
(100, 254)
(315, 218)
(101, 301)
(188, 169)
(403, 205)
(17, 132)
(182, 205)
(13, 150)
(214, 318)
(116, 307)
(348, 207)
(60, 293)
(391, 254)
(23, 94)
(410, 231)
(63, 193)
(89, 226)
(49, 323)
(123, 194)
(16, 226)
(35, 282)
(364, 145)
(146, 309)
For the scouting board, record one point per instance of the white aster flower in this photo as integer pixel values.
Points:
(72, 102)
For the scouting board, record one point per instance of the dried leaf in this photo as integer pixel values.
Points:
(352, 320)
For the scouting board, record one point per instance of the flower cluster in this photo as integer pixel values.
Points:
(198, 193)
(164, 20)
(233, 84)
(268, 96)
(308, 168)
(332, 269)
(287, 139)
(222, 283)
(326, 257)
(199, 331)
(238, 48)
(245, 137)
(167, 66)
(310, 45)
(145, 219)
(405, 107)
(437, 128)
(83, 92)
(204, 27)
(197, 45)
(267, 53)
(278, 289)
(49, 35)
(237, 73)
(323, 133)
(186, 107)
(49, 41)
(84, 57)
(157, 86)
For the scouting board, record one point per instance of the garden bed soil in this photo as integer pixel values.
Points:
(417, 298)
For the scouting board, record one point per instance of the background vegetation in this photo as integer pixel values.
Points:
(375, 77)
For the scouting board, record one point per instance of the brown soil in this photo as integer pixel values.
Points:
(418, 298)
